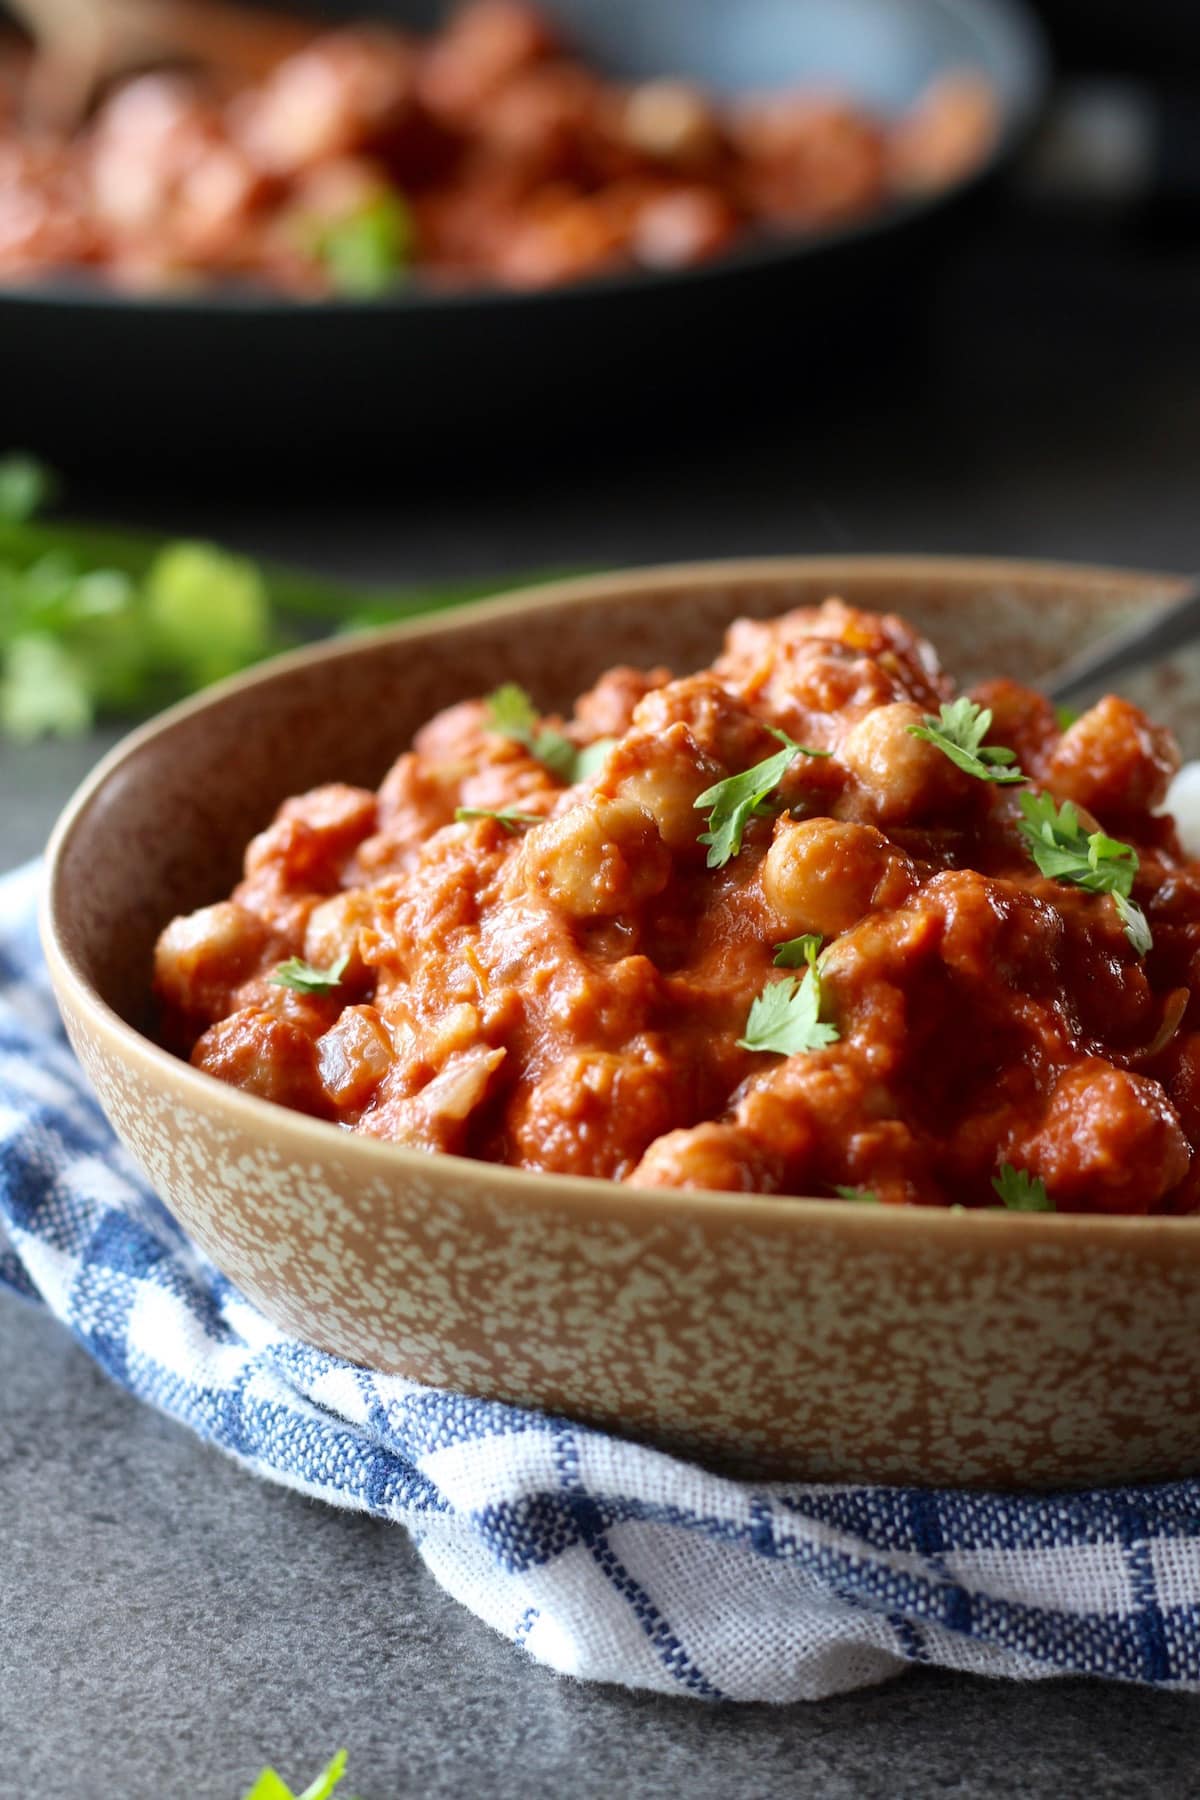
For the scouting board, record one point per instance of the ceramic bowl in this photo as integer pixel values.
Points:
(789, 1337)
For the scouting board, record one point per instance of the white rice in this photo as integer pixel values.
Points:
(1183, 799)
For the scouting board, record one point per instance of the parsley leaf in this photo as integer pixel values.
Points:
(302, 978)
(867, 1195)
(798, 952)
(734, 802)
(959, 733)
(271, 1786)
(509, 819)
(786, 1016)
(510, 713)
(1062, 850)
(1020, 1191)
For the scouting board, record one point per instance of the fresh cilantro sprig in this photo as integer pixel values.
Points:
(1064, 851)
(102, 622)
(798, 952)
(590, 760)
(867, 1196)
(510, 713)
(368, 251)
(1020, 1191)
(509, 819)
(272, 1786)
(732, 803)
(786, 1016)
(959, 733)
(303, 978)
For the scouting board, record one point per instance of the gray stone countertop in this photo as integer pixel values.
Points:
(167, 1623)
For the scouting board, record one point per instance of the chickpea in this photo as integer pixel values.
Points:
(597, 859)
(822, 875)
(714, 1155)
(903, 777)
(264, 1055)
(202, 957)
(665, 775)
(672, 122)
(1112, 759)
(1110, 1139)
(332, 932)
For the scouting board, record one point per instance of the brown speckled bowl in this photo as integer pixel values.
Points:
(808, 1338)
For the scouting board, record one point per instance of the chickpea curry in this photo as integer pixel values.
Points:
(325, 162)
(805, 922)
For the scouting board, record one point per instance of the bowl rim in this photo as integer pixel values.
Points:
(578, 1192)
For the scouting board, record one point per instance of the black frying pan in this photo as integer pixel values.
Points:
(235, 385)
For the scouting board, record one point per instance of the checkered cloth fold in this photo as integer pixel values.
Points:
(601, 1558)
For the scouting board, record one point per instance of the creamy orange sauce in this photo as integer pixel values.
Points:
(567, 990)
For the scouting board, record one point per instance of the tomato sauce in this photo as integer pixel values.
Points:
(562, 977)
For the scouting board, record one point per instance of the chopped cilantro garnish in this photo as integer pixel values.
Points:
(302, 978)
(1137, 926)
(510, 820)
(734, 802)
(1065, 717)
(1063, 851)
(959, 733)
(786, 1016)
(798, 952)
(1020, 1191)
(368, 251)
(590, 760)
(271, 1786)
(867, 1195)
(510, 714)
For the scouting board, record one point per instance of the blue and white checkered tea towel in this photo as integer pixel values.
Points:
(602, 1558)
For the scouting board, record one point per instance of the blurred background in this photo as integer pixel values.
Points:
(780, 276)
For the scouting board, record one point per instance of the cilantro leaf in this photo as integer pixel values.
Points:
(734, 802)
(302, 978)
(590, 760)
(26, 486)
(43, 689)
(509, 819)
(1020, 1191)
(798, 952)
(367, 252)
(271, 1786)
(327, 1780)
(1137, 926)
(959, 733)
(207, 610)
(510, 714)
(867, 1195)
(786, 1016)
(1100, 864)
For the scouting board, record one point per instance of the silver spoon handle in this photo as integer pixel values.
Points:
(1146, 641)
